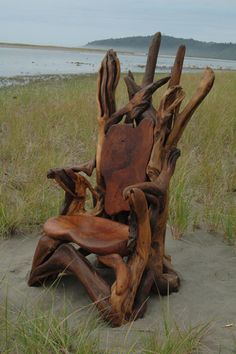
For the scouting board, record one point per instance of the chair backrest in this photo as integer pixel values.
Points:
(125, 155)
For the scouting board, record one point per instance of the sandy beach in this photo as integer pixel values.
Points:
(207, 268)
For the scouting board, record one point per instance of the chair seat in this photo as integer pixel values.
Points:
(96, 235)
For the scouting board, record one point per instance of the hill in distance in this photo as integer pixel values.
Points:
(169, 46)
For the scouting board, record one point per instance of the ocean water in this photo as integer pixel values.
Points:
(15, 62)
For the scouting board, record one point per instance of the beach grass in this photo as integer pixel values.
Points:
(34, 329)
(53, 124)
(37, 330)
(175, 340)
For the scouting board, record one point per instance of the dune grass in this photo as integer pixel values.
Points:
(51, 124)
(175, 340)
(34, 329)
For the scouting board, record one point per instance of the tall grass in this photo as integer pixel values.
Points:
(39, 331)
(42, 125)
(53, 123)
(33, 330)
(203, 187)
(175, 340)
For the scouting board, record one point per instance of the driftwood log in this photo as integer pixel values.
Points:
(134, 163)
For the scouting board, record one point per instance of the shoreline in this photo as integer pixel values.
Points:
(55, 48)
(101, 49)
(21, 60)
(22, 80)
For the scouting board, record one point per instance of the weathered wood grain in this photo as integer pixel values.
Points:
(126, 152)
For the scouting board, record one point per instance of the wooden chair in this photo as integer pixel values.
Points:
(134, 163)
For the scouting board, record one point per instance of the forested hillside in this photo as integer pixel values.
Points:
(170, 44)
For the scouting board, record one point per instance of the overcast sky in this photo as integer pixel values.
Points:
(75, 22)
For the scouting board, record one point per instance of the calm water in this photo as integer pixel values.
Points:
(33, 62)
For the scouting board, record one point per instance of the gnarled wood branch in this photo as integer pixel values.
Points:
(148, 78)
(122, 298)
(152, 59)
(170, 100)
(138, 104)
(177, 67)
(175, 80)
(66, 260)
(108, 79)
(183, 118)
(86, 167)
(75, 187)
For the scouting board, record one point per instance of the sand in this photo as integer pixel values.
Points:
(207, 266)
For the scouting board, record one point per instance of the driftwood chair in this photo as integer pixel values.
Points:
(134, 163)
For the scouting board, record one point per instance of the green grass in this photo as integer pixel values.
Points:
(53, 123)
(203, 187)
(175, 340)
(34, 329)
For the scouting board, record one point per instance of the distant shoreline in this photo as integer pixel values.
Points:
(40, 46)
(88, 48)
(54, 47)
(22, 80)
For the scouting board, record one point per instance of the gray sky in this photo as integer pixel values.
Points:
(75, 22)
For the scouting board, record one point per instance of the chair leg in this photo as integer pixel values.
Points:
(118, 303)
(115, 261)
(67, 259)
(164, 284)
(143, 294)
(124, 289)
(46, 246)
(120, 288)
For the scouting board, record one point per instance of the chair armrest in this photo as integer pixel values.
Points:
(75, 187)
(151, 191)
(139, 222)
(155, 192)
(151, 197)
(87, 168)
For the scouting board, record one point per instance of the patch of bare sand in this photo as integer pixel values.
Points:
(207, 267)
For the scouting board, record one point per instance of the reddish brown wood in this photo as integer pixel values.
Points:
(75, 187)
(122, 301)
(138, 104)
(125, 155)
(66, 260)
(134, 163)
(97, 235)
(183, 117)
(152, 59)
